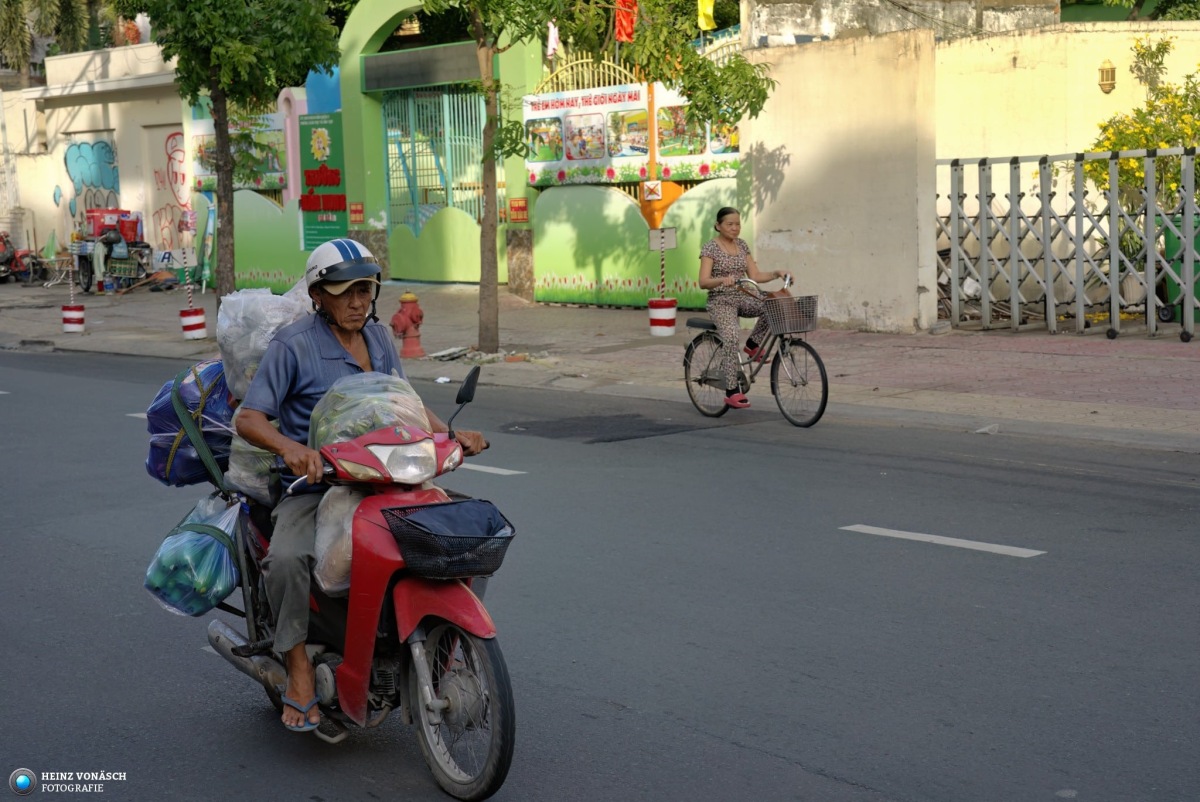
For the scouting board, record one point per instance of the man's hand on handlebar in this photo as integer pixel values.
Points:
(472, 442)
(304, 461)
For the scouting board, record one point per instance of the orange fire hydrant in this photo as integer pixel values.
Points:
(406, 324)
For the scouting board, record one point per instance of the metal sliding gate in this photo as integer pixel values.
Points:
(1043, 244)
(434, 154)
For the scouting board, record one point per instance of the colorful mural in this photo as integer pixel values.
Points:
(270, 155)
(613, 264)
(169, 194)
(95, 178)
(602, 136)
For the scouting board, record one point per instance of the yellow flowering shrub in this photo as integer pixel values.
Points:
(1170, 118)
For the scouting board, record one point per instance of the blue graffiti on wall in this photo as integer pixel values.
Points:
(92, 168)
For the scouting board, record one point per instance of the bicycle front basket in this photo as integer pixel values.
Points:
(791, 315)
(454, 540)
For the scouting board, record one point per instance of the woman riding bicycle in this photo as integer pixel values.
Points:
(723, 260)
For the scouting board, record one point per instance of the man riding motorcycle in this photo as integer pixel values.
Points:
(303, 360)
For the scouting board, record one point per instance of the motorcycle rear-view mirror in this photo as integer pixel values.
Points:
(466, 392)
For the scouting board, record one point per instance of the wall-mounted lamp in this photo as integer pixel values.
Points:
(1108, 76)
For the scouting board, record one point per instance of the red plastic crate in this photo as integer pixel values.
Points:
(129, 229)
(100, 220)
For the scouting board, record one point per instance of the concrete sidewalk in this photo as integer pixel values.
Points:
(1133, 390)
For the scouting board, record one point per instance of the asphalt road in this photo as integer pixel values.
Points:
(684, 613)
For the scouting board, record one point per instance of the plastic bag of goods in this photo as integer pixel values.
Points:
(362, 403)
(335, 543)
(194, 570)
(173, 459)
(246, 322)
(249, 466)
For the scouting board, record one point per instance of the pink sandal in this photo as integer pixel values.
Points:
(737, 401)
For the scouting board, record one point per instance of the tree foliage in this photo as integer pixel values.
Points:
(662, 51)
(1169, 118)
(67, 21)
(241, 54)
(1163, 9)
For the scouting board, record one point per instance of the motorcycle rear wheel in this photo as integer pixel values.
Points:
(471, 749)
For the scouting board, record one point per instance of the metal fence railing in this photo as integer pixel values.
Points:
(1074, 239)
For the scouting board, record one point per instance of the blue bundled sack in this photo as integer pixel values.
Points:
(174, 458)
(193, 570)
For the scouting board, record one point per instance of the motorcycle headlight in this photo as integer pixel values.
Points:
(409, 464)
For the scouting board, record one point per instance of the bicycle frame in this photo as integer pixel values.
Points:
(798, 378)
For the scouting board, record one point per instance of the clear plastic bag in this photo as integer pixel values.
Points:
(194, 570)
(335, 542)
(362, 403)
(249, 467)
(247, 321)
(173, 459)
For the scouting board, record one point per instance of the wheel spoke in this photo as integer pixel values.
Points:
(798, 382)
(469, 747)
(705, 378)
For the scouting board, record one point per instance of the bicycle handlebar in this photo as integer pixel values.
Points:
(742, 283)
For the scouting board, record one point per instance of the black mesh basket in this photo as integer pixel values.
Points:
(455, 540)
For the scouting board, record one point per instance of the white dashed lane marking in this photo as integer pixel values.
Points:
(1009, 551)
(489, 469)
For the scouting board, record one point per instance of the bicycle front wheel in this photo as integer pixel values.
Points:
(798, 383)
(704, 376)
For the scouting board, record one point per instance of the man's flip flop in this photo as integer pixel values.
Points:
(307, 726)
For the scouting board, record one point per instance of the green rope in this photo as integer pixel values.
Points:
(188, 423)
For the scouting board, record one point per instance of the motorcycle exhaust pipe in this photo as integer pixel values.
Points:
(260, 667)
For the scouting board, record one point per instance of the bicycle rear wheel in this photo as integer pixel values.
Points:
(798, 383)
(703, 374)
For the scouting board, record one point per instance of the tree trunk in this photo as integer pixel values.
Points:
(224, 169)
(489, 302)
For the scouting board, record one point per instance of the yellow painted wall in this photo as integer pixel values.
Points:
(842, 159)
(1037, 91)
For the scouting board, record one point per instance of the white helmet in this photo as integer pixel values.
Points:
(337, 264)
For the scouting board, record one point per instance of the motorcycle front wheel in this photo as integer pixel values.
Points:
(469, 750)
(86, 274)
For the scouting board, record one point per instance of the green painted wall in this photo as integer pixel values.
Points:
(371, 22)
(266, 240)
(591, 245)
(447, 250)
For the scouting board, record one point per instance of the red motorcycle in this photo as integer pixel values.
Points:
(16, 263)
(412, 634)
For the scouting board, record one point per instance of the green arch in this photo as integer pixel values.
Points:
(369, 25)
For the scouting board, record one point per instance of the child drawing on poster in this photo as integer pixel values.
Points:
(584, 136)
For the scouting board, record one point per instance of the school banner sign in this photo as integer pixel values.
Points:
(323, 213)
(603, 136)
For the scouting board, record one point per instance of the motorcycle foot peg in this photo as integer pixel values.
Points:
(252, 649)
(331, 732)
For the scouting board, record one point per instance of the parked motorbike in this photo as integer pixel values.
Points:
(412, 634)
(15, 263)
